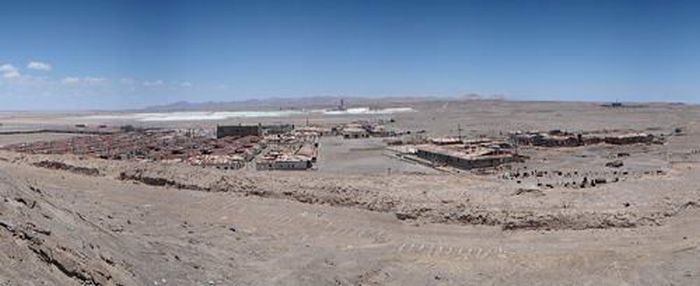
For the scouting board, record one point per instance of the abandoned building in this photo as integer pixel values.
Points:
(354, 133)
(380, 131)
(289, 151)
(445, 141)
(238, 130)
(280, 161)
(554, 138)
(276, 129)
(225, 162)
(366, 129)
(620, 139)
(252, 130)
(309, 150)
(317, 131)
(557, 138)
(473, 154)
(168, 146)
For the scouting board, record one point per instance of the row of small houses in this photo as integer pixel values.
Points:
(556, 138)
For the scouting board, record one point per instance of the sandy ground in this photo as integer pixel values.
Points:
(27, 138)
(362, 156)
(353, 223)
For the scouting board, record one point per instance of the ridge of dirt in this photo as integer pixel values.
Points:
(348, 195)
(30, 224)
(56, 165)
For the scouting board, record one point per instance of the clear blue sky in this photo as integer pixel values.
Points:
(123, 54)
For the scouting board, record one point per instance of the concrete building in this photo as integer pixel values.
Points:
(309, 150)
(472, 154)
(276, 129)
(554, 138)
(238, 130)
(465, 159)
(354, 133)
(557, 138)
(313, 130)
(252, 130)
(380, 131)
(289, 152)
(621, 139)
(283, 162)
(445, 141)
(225, 162)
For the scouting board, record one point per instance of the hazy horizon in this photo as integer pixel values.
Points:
(116, 55)
(270, 104)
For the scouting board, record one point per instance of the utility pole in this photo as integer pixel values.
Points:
(459, 131)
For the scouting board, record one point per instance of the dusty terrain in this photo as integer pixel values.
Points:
(365, 218)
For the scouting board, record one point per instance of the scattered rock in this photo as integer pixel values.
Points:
(405, 216)
(532, 191)
(614, 164)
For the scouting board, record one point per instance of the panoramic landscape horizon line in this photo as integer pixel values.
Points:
(290, 103)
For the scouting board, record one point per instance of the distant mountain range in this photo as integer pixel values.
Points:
(303, 103)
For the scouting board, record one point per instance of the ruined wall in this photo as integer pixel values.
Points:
(283, 165)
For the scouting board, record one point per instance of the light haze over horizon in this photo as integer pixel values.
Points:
(74, 55)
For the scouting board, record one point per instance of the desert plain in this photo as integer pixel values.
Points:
(362, 215)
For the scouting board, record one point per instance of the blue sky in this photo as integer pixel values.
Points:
(126, 54)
